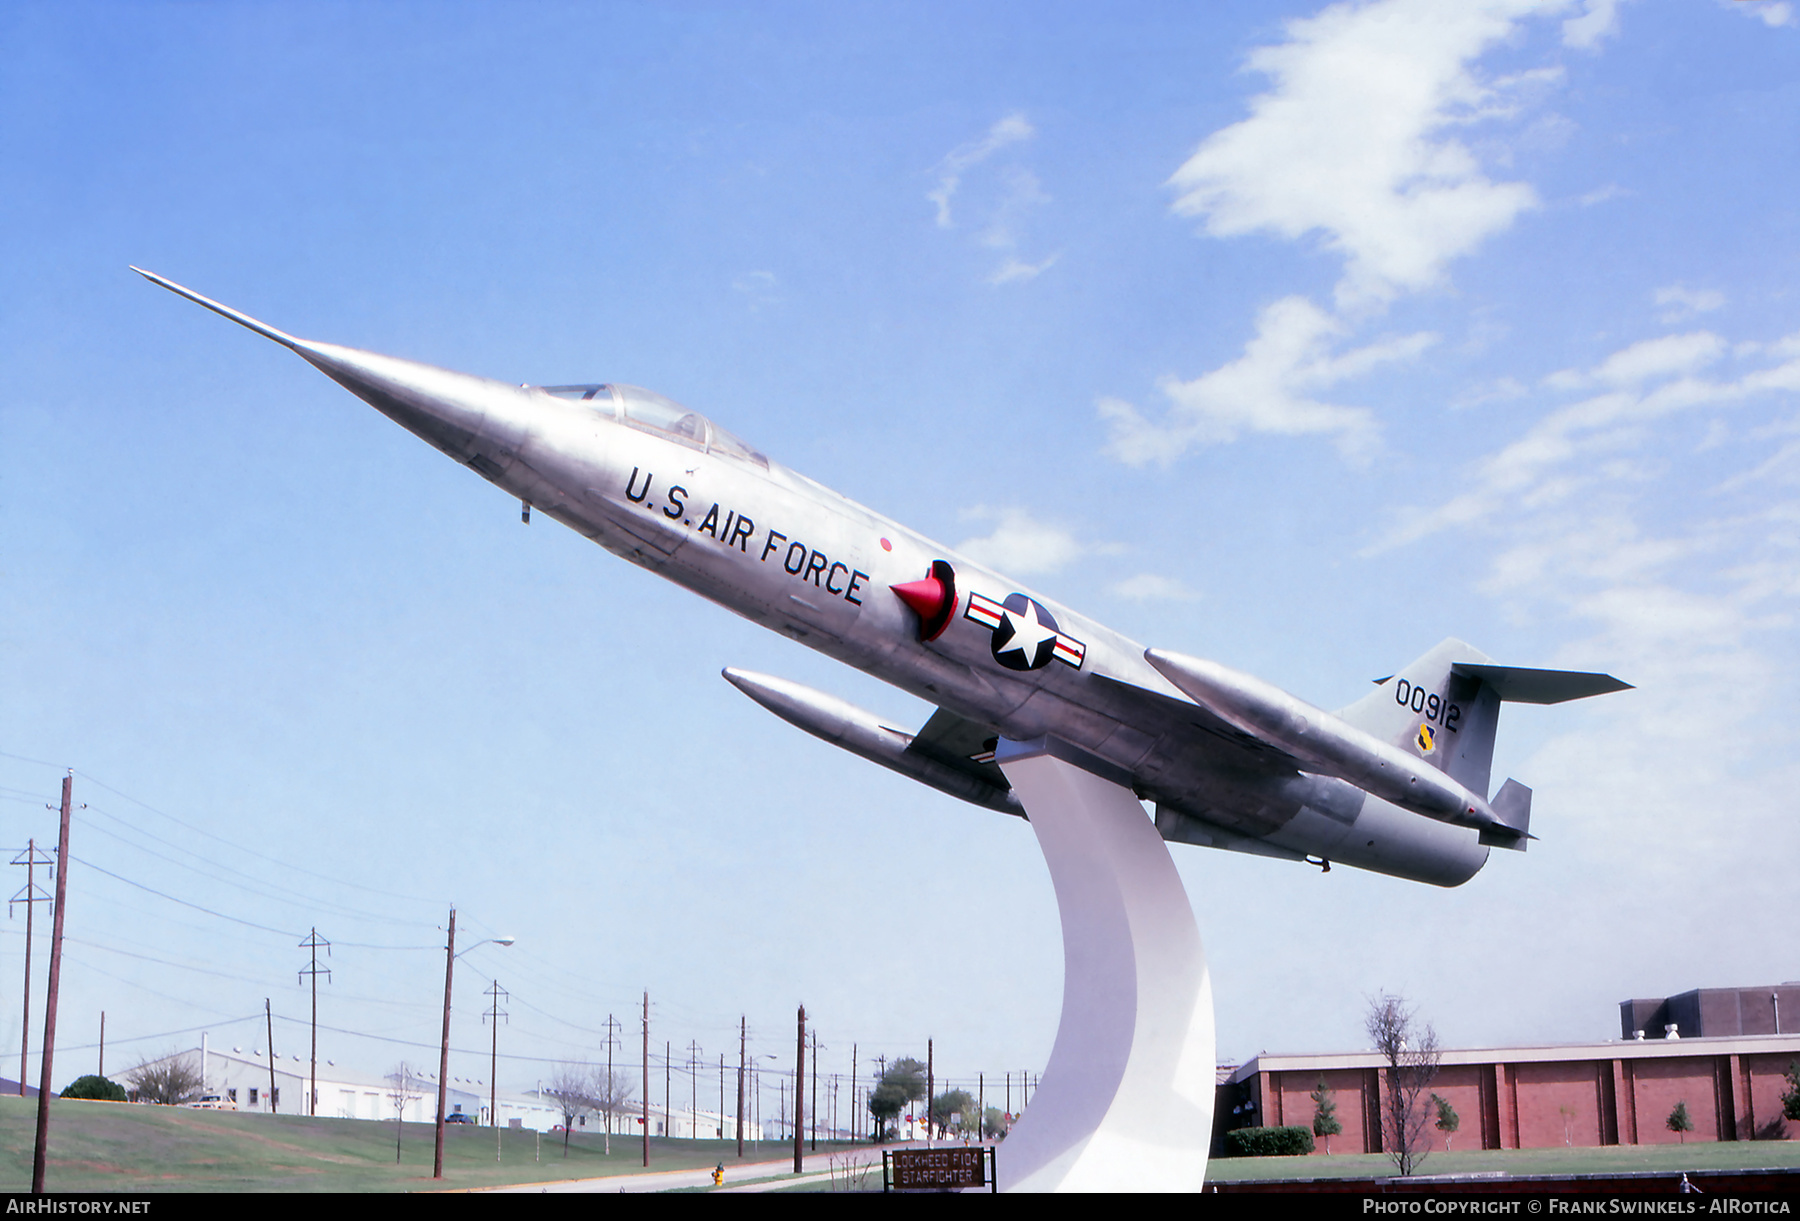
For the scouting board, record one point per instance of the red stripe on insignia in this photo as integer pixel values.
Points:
(985, 611)
(1070, 652)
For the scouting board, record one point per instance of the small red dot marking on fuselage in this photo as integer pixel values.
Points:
(886, 546)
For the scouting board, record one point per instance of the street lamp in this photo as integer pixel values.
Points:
(450, 957)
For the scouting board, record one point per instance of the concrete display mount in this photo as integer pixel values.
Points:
(1126, 1101)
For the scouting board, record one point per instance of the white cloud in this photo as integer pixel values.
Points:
(1010, 130)
(1644, 361)
(760, 288)
(1681, 302)
(1012, 193)
(1501, 390)
(1772, 15)
(1611, 190)
(1582, 443)
(1153, 587)
(1271, 388)
(1019, 543)
(1353, 142)
(1018, 269)
(1598, 20)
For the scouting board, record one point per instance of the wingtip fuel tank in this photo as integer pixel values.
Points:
(1327, 743)
(842, 723)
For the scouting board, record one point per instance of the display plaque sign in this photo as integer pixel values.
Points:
(948, 1169)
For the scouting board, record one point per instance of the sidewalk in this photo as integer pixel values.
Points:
(771, 1175)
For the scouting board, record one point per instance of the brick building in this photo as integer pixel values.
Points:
(1615, 1093)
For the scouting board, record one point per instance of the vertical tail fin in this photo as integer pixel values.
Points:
(1445, 708)
(1431, 710)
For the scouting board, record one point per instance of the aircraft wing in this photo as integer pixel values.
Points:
(962, 744)
(1167, 718)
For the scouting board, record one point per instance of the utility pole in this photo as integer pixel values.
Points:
(269, 1017)
(313, 942)
(612, 1092)
(930, 1088)
(815, 1090)
(852, 1091)
(694, 1088)
(437, 1156)
(101, 1070)
(31, 858)
(668, 1106)
(799, 1089)
(494, 1011)
(743, 1034)
(40, 1154)
(645, 1119)
(721, 1095)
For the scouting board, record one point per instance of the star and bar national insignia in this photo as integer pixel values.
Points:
(1025, 635)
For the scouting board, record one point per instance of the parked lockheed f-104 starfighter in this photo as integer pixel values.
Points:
(1396, 782)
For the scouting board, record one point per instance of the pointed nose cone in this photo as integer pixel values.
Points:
(475, 420)
(472, 419)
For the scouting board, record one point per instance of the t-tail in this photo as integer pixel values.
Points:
(1444, 708)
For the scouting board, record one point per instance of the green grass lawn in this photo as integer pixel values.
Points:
(1696, 1155)
(112, 1146)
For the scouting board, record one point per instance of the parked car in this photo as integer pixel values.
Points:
(459, 1117)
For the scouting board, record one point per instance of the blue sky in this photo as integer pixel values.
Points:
(1291, 336)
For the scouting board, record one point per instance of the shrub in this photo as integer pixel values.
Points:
(1268, 1142)
(99, 1088)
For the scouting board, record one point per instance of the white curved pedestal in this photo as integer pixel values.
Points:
(1126, 1101)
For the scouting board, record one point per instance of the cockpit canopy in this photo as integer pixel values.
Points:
(653, 412)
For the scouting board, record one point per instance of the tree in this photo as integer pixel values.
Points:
(1679, 1122)
(993, 1124)
(1790, 1101)
(609, 1094)
(953, 1107)
(1325, 1122)
(169, 1081)
(407, 1088)
(1411, 1051)
(572, 1089)
(1447, 1119)
(94, 1087)
(902, 1083)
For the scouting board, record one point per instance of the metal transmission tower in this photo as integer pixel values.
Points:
(31, 858)
(693, 1049)
(613, 1026)
(315, 943)
(496, 994)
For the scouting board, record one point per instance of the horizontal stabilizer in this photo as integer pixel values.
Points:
(1519, 685)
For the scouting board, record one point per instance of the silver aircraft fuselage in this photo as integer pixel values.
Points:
(666, 489)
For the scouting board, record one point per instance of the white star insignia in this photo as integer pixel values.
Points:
(1028, 633)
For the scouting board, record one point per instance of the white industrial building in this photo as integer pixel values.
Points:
(243, 1081)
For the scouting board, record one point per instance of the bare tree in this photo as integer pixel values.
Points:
(1411, 1051)
(407, 1087)
(609, 1093)
(171, 1080)
(572, 1089)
